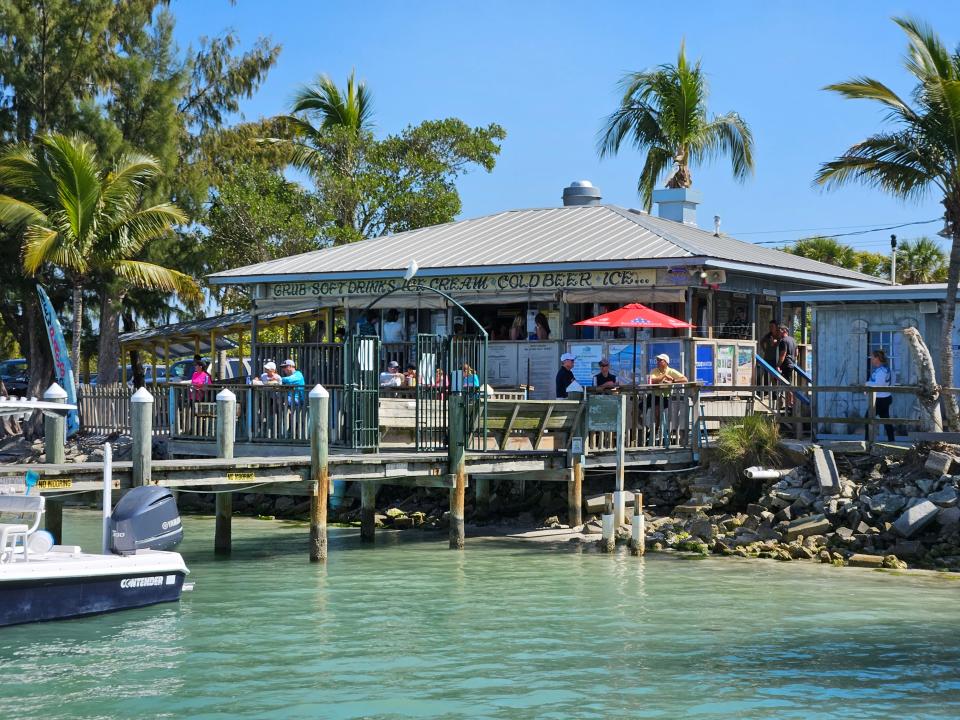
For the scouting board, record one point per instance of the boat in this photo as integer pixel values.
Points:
(40, 580)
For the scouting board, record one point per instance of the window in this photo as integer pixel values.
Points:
(889, 342)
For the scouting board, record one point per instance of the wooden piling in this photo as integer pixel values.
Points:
(226, 435)
(319, 472)
(141, 428)
(368, 510)
(608, 539)
(54, 440)
(638, 543)
(575, 486)
(482, 489)
(456, 454)
(619, 502)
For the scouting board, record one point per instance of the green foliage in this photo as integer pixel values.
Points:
(921, 261)
(833, 252)
(664, 112)
(753, 440)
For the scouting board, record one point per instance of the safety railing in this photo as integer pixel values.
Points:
(105, 409)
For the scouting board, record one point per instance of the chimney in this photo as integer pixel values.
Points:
(678, 204)
(581, 192)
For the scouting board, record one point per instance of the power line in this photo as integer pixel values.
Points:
(808, 229)
(856, 232)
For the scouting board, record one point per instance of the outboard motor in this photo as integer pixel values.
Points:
(145, 518)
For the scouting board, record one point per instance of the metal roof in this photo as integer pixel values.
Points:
(602, 235)
(891, 293)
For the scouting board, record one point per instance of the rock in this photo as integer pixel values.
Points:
(551, 521)
(824, 556)
(945, 498)
(894, 563)
(814, 541)
(915, 518)
(806, 499)
(593, 528)
(948, 517)
(809, 525)
(938, 463)
(703, 529)
(767, 533)
(907, 548)
(868, 561)
(284, 503)
(403, 522)
(395, 513)
(800, 552)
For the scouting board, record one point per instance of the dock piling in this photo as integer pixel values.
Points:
(54, 439)
(482, 489)
(639, 539)
(456, 454)
(576, 458)
(319, 472)
(608, 539)
(226, 434)
(141, 428)
(619, 498)
(368, 510)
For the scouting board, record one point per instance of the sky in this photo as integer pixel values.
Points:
(548, 73)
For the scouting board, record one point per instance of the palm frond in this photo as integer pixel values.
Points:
(659, 160)
(14, 212)
(729, 135)
(131, 173)
(45, 245)
(130, 232)
(927, 56)
(155, 277)
(74, 170)
(892, 162)
(866, 88)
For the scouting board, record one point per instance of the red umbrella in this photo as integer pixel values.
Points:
(635, 316)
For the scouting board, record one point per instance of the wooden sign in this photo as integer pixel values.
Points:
(602, 412)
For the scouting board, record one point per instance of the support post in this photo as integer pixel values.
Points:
(319, 472)
(577, 452)
(456, 455)
(618, 498)
(482, 489)
(54, 439)
(608, 539)
(368, 510)
(638, 543)
(226, 435)
(141, 427)
(871, 433)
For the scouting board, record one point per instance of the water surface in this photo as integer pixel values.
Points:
(502, 630)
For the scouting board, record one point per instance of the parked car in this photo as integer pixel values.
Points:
(182, 370)
(15, 375)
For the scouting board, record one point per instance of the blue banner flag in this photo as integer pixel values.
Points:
(62, 367)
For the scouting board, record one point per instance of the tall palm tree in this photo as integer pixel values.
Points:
(826, 250)
(918, 155)
(86, 220)
(664, 112)
(921, 261)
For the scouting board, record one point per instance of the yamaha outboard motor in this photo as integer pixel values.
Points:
(145, 518)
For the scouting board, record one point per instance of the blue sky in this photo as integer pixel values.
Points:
(547, 72)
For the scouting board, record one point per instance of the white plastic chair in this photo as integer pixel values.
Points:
(11, 533)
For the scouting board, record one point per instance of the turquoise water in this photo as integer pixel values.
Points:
(503, 630)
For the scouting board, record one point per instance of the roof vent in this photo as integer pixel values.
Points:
(581, 192)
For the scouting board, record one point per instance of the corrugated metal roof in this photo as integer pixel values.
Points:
(597, 233)
(891, 293)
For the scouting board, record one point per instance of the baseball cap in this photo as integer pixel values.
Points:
(567, 356)
(663, 356)
(269, 365)
(604, 361)
(393, 363)
(288, 363)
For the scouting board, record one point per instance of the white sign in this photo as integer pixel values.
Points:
(538, 365)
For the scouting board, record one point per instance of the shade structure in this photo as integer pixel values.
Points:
(635, 316)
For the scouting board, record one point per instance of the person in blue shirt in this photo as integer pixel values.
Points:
(289, 375)
(880, 376)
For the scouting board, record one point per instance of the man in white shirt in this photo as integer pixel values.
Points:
(391, 377)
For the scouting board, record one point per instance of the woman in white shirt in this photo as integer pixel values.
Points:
(880, 376)
(393, 327)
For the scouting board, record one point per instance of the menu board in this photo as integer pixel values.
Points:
(502, 365)
(724, 365)
(537, 365)
(587, 361)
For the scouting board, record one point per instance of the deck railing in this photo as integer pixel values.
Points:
(105, 409)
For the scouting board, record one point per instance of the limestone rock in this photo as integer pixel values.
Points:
(809, 525)
(915, 518)
(944, 498)
(868, 561)
(938, 463)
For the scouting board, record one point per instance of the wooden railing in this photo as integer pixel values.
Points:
(105, 409)
(655, 416)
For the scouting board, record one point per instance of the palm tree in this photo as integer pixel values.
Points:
(921, 261)
(86, 220)
(827, 250)
(664, 112)
(919, 154)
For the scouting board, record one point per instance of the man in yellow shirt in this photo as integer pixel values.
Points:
(663, 373)
(665, 417)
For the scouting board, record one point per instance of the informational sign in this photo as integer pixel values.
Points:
(587, 361)
(621, 362)
(602, 413)
(726, 354)
(466, 284)
(744, 365)
(502, 364)
(537, 365)
(705, 363)
(672, 348)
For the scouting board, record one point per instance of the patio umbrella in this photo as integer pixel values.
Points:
(635, 316)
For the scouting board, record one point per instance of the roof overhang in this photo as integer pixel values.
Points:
(834, 282)
(891, 293)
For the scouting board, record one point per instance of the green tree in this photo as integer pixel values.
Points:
(664, 113)
(921, 261)
(826, 250)
(86, 220)
(919, 154)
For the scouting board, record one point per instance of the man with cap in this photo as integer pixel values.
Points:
(289, 375)
(663, 373)
(269, 376)
(565, 375)
(391, 377)
(604, 380)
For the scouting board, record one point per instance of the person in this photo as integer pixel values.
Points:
(769, 344)
(665, 414)
(470, 377)
(199, 378)
(518, 330)
(565, 375)
(787, 360)
(880, 376)
(541, 327)
(392, 327)
(269, 376)
(391, 377)
(458, 329)
(604, 380)
(367, 324)
(736, 327)
(289, 375)
(410, 376)
(663, 374)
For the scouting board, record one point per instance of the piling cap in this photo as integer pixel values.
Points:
(55, 392)
(319, 391)
(225, 396)
(142, 396)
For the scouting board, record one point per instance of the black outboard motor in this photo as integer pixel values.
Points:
(146, 517)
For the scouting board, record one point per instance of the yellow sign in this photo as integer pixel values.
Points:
(55, 484)
(467, 284)
(240, 477)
